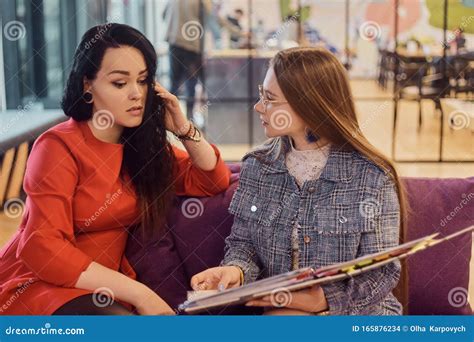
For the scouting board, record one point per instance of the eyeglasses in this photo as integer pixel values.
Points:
(265, 100)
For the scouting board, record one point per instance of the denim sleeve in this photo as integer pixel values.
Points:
(239, 248)
(372, 287)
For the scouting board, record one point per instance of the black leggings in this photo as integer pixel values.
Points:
(86, 305)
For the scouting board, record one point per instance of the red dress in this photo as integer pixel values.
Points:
(76, 212)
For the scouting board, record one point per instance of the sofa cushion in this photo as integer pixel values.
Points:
(439, 277)
(158, 266)
(196, 230)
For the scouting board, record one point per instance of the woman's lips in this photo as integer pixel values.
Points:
(135, 112)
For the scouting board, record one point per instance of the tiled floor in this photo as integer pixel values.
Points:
(375, 112)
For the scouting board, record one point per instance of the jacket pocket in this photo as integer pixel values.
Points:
(254, 208)
(343, 219)
(264, 223)
(337, 232)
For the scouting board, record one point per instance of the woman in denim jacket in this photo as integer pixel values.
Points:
(317, 193)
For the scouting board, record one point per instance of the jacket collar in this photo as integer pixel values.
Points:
(338, 167)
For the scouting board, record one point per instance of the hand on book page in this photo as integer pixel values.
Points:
(217, 278)
(308, 300)
(297, 283)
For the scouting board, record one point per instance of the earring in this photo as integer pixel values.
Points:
(87, 97)
(310, 136)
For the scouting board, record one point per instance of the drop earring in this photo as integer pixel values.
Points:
(310, 136)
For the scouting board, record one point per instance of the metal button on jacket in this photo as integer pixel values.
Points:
(342, 219)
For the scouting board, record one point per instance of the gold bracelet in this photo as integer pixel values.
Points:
(321, 313)
(198, 139)
(187, 133)
(241, 275)
(188, 136)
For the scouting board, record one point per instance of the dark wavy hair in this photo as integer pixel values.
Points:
(147, 155)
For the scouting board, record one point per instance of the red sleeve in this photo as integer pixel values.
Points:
(47, 246)
(193, 181)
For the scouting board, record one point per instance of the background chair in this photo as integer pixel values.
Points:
(462, 75)
(415, 83)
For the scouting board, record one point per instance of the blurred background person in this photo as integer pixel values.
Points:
(234, 20)
(185, 36)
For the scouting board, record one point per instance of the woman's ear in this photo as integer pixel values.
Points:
(86, 85)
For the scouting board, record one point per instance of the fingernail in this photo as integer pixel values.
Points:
(221, 287)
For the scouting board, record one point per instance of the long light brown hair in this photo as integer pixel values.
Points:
(316, 86)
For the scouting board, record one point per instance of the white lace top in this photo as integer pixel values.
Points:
(304, 166)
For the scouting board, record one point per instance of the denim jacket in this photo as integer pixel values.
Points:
(350, 211)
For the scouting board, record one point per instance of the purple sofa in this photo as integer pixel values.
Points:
(194, 241)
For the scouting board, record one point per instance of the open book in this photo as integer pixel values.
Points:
(280, 285)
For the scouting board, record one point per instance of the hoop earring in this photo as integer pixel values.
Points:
(87, 97)
(310, 136)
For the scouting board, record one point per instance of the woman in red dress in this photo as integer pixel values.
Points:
(88, 180)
